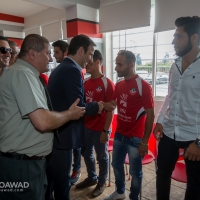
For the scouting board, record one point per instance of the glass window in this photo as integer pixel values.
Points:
(140, 42)
(165, 58)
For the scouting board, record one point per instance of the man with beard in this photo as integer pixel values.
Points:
(134, 100)
(60, 48)
(178, 124)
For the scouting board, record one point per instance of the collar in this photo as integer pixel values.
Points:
(77, 65)
(28, 65)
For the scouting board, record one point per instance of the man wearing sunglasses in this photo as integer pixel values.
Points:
(5, 54)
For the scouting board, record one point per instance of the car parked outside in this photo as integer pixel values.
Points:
(160, 78)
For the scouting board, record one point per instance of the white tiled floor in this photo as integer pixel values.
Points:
(148, 186)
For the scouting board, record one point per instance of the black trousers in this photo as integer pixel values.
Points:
(168, 153)
(22, 179)
(58, 174)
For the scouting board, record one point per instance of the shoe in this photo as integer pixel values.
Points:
(75, 176)
(86, 183)
(115, 196)
(98, 190)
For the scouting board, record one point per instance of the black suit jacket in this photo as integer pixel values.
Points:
(65, 86)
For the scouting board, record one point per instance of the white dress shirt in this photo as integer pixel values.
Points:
(180, 112)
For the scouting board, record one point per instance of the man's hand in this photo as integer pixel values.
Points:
(76, 111)
(100, 103)
(103, 137)
(143, 150)
(158, 131)
(192, 152)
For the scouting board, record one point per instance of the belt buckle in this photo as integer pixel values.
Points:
(43, 157)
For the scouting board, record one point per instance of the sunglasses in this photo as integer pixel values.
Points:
(4, 50)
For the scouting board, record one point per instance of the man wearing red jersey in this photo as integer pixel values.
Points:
(97, 88)
(134, 100)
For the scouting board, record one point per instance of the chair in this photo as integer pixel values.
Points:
(110, 145)
(179, 173)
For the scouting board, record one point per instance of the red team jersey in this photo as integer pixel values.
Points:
(133, 97)
(99, 89)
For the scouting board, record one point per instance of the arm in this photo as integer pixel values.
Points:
(44, 120)
(143, 148)
(73, 85)
(193, 152)
(108, 97)
(158, 130)
(110, 106)
(104, 135)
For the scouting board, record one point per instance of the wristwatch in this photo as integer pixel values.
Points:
(106, 131)
(197, 142)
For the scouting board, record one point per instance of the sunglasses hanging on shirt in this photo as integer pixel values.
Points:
(4, 50)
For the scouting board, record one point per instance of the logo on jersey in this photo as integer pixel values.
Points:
(123, 99)
(123, 110)
(132, 91)
(99, 89)
(89, 96)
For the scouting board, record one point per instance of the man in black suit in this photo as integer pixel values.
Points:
(65, 86)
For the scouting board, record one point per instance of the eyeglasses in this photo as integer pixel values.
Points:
(4, 50)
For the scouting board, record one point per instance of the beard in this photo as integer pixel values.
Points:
(186, 49)
(123, 73)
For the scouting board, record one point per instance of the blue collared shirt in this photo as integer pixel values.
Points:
(180, 112)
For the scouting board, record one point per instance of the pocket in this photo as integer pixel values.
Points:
(135, 141)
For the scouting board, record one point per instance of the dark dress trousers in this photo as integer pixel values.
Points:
(65, 86)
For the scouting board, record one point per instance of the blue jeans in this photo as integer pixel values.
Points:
(93, 141)
(122, 146)
(168, 153)
(77, 159)
(58, 174)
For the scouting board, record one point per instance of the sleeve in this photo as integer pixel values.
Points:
(28, 92)
(110, 90)
(147, 95)
(74, 89)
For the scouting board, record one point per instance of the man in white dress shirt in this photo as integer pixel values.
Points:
(178, 124)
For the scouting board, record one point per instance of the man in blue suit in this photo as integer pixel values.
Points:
(65, 86)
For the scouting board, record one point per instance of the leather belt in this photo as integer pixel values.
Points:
(21, 156)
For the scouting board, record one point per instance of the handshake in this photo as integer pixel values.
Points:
(101, 106)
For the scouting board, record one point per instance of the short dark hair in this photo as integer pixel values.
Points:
(130, 56)
(32, 41)
(191, 25)
(3, 38)
(61, 44)
(11, 43)
(79, 41)
(98, 56)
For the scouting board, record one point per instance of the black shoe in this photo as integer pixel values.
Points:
(86, 183)
(98, 190)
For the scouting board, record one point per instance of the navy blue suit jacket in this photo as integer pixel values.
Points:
(65, 86)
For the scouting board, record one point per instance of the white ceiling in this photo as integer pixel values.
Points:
(25, 8)
(20, 8)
